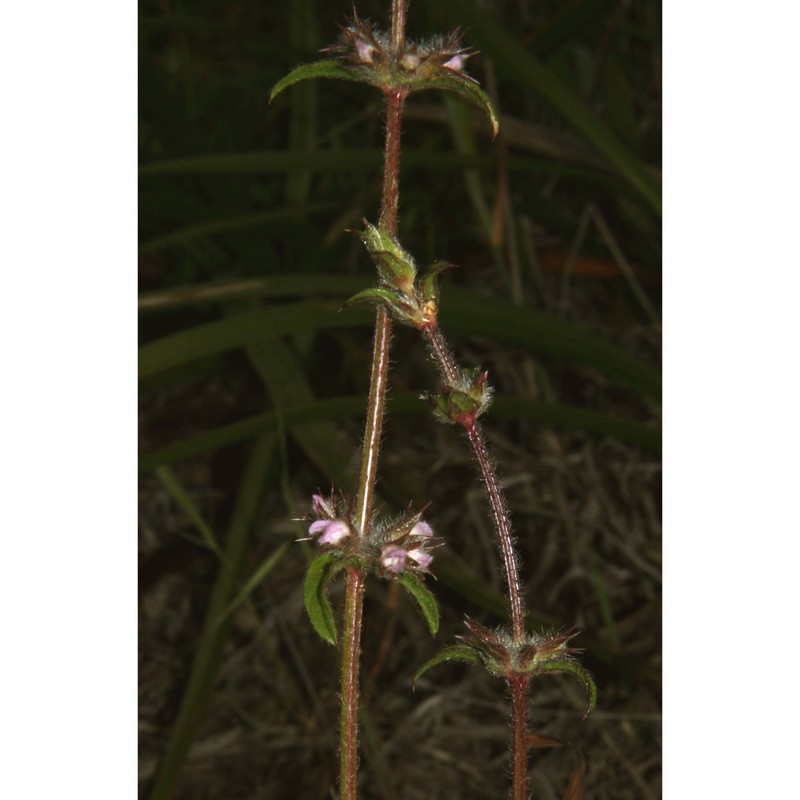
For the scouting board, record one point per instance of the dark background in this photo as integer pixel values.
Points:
(251, 400)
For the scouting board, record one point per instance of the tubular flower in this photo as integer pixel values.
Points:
(330, 531)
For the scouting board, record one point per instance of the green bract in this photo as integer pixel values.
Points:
(410, 299)
(365, 55)
(502, 656)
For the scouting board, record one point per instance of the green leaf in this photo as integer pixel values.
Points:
(470, 91)
(319, 69)
(573, 668)
(315, 592)
(374, 295)
(427, 603)
(455, 652)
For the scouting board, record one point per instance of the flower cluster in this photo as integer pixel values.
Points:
(365, 47)
(388, 549)
(332, 525)
(408, 551)
(537, 654)
(464, 401)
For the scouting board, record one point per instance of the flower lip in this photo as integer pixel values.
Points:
(422, 529)
(393, 559)
(332, 531)
(422, 559)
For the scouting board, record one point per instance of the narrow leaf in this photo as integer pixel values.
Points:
(315, 592)
(455, 652)
(319, 69)
(427, 603)
(210, 647)
(179, 494)
(255, 579)
(580, 672)
(470, 91)
(377, 296)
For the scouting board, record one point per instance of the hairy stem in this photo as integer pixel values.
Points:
(519, 737)
(351, 657)
(502, 527)
(502, 523)
(356, 581)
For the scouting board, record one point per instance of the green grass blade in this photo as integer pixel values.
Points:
(401, 404)
(208, 655)
(256, 578)
(238, 222)
(321, 441)
(179, 495)
(518, 64)
(464, 312)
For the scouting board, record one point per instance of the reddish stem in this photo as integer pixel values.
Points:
(351, 658)
(356, 581)
(502, 523)
(519, 736)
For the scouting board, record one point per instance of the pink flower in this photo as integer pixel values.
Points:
(365, 50)
(322, 507)
(456, 63)
(332, 531)
(422, 529)
(393, 559)
(422, 559)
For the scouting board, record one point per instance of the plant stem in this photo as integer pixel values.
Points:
(517, 683)
(351, 656)
(356, 580)
(502, 523)
(519, 736)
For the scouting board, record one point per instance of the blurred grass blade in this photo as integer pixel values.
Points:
(303, 100)
(408, 403)
(239, 222)
(256, 578)
(464, 311)
(210, 647)
(285, 380)
(519, 65)
(179, 495)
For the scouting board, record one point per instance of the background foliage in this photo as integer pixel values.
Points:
(252, 387)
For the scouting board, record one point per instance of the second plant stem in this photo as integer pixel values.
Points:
(518, 684)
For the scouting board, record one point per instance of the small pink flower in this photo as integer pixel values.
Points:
(456, 63)
(422, 559)
(393, 559)
(333, 531)
(322, 507)
(365, 50)
(422, 529)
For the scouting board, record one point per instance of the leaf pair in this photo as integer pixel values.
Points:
(318, 607)
(367, 56)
